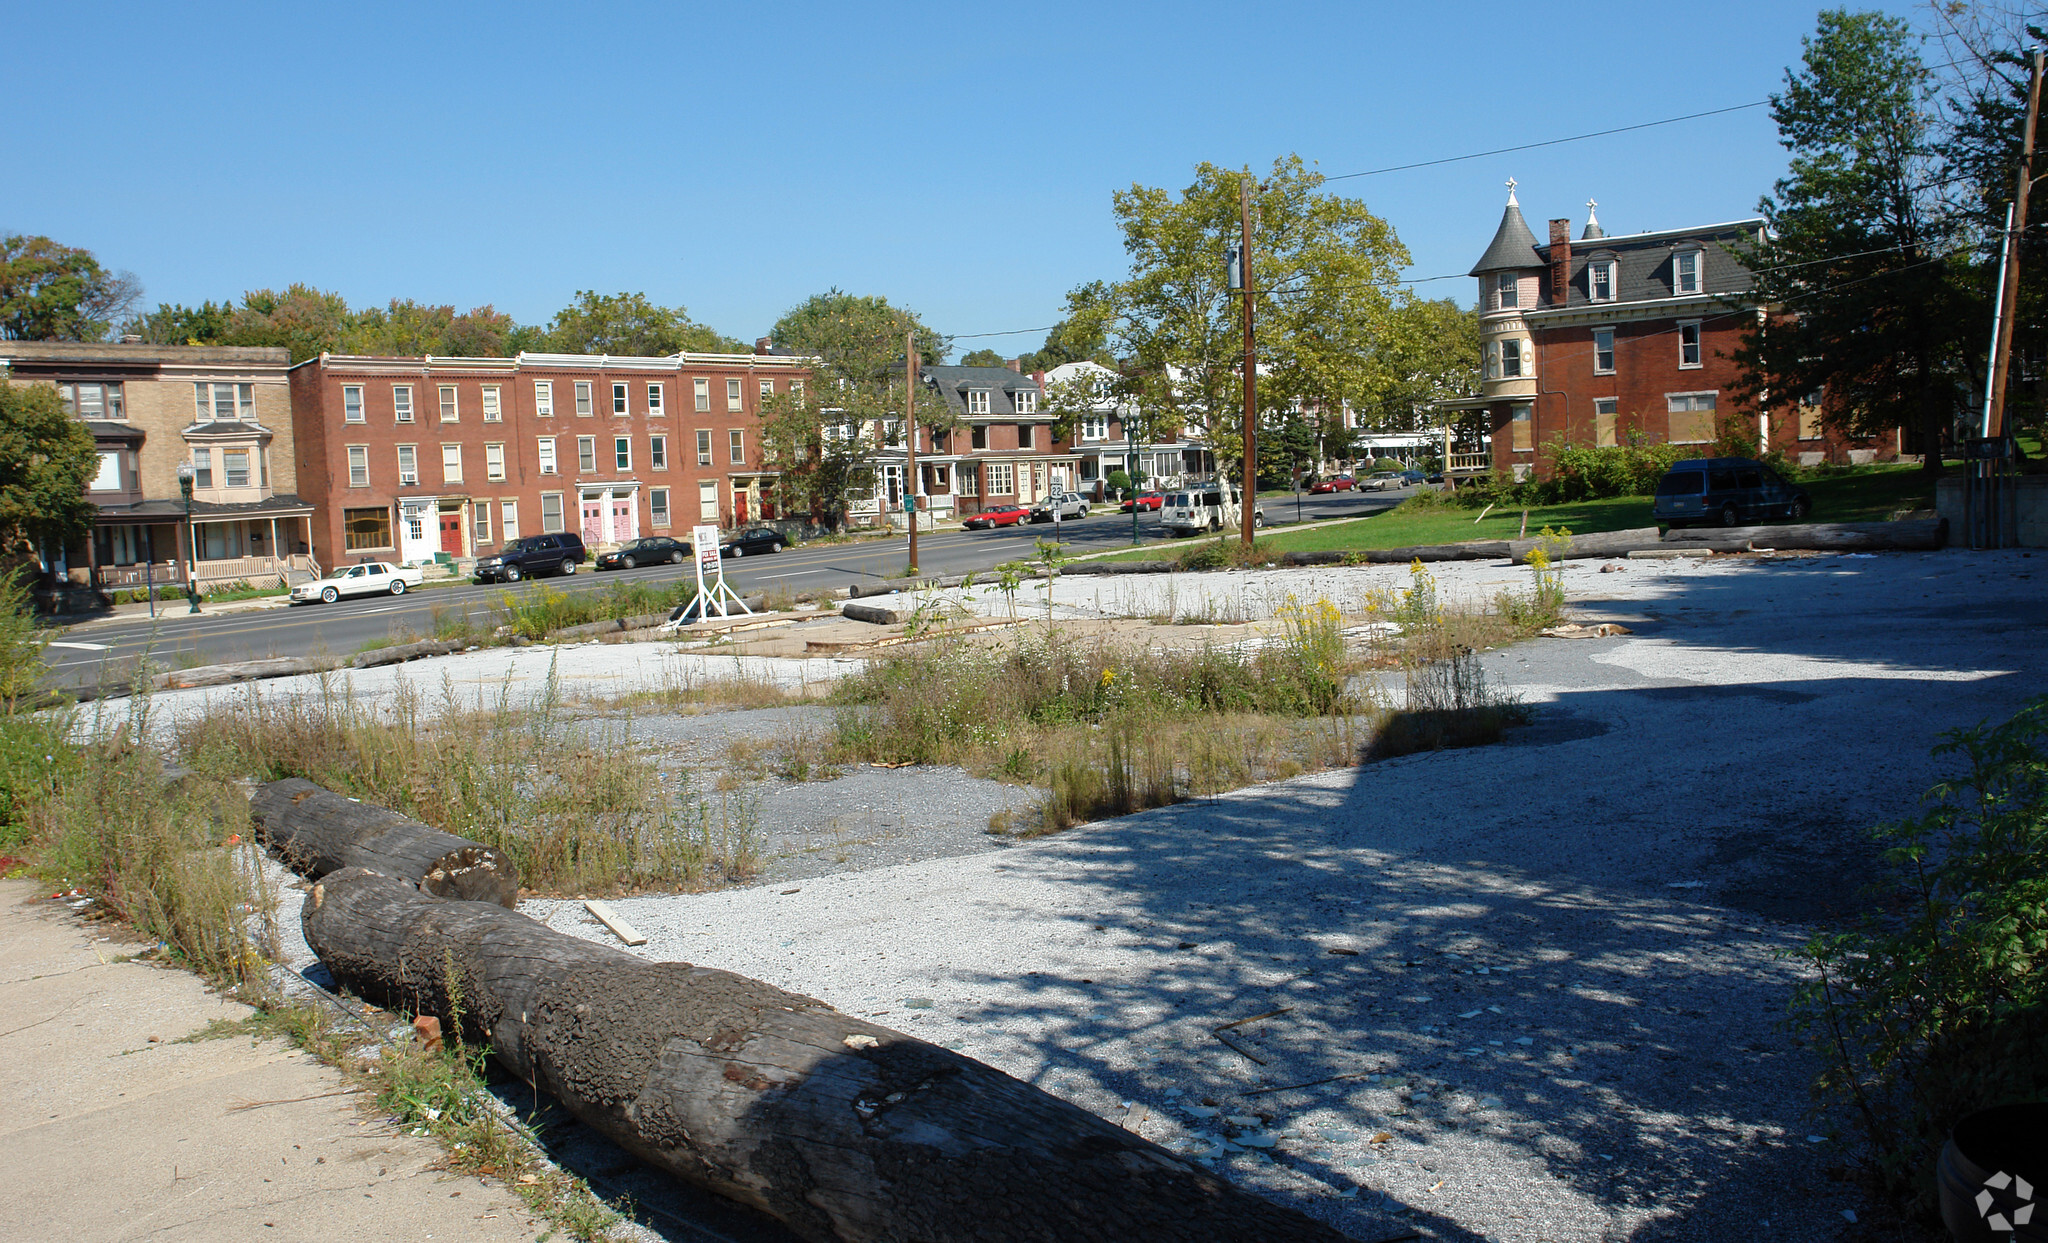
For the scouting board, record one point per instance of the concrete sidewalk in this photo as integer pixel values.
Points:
(111, 1130)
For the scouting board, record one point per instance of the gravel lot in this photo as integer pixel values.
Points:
(1547, 971)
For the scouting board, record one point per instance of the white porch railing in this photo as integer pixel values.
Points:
(1470, 464)
(256, 571)
(122, 577)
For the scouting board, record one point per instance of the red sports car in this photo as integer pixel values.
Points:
(1147, 501)
(1335, 483)
(1000, 516)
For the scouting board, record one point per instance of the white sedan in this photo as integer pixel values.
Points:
(371, 578)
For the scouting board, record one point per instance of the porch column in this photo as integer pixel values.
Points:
(281, 570)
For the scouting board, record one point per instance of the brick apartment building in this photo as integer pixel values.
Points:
(1617, 338)
(407, 458)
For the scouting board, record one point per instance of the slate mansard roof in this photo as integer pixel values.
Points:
(1643, 262)
(1002, 385)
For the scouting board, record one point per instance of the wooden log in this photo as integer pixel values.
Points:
(874, 614)
(1921, 536)
(400, 652)
(1474, 550)
(845, 1131)
(1593, 544)
(316, 832)
(1121, 567)
(610, 625)
(239, 671)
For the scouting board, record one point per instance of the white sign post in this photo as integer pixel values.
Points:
(711, 589)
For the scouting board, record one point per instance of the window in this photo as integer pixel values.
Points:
(508, 520)
(1095, 427)
(707, 500)
(1809, 415)
(619, 398)
(1507, 295)
(622, 452)
(1600, 280)
(892, 432)
(365, 529)
(494, 463)
(583, 408)
(1685, 272)
(978, 436)
(999, 479)
(1604, 410)
(202, 468)
(408, 466)
(1510, 357)
(657, 506)
(657, 453)
(401, 403)
(493, 411)
(977, 401)
(351, 403)
(703, 387)
(655, 406)
(234, 468)
(102, 401)
(1603, 351)
(547, 455)
(1692, 418)
(703, 447)
(551, 511)
(970, 478)
(543, 400)
(586, 455)
(796, 389)
(1523, 427)
(359, 466)
(449, 413)
(1689, 344)
(1027, 401)
(1023, 435)
(480, 521)
(222, 403)
(736, 444)
(109, 477)
(767, 389)
(732, 395)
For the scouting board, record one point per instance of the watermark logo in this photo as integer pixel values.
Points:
(2005, 1193)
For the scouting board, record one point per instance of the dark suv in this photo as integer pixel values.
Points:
(1726, 491)
(531, 556)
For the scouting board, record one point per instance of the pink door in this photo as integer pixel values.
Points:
(622, 520)
(593, 522)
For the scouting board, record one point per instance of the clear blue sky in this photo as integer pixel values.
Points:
(734, 159)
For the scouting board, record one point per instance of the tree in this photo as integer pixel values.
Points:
(46, 460)
(299, 318)
(172, 324)
(984, 358)
(1859, 262)
(824, 450)
(1082, 335)
(860, 338)
(1429, 352)
(626, 323)
(53, 292)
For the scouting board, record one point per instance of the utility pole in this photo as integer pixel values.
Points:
(910, 437)
(2009, 291)
(1251, 369)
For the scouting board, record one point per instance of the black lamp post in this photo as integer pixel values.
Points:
(191, 548)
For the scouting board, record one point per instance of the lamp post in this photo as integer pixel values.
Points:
(191, 548)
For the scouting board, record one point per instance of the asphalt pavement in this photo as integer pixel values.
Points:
(91, 652)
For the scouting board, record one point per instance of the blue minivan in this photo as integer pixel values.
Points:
(1726, 491)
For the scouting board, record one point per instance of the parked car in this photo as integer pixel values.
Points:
(647, 550)
(1381, 480)
(1146, 502)
(1335, 483)
(1435, 476)
(530, 556)
(371, 578)
(1410, 478)
(997, 516)
(1728, 491)
(753, 542)
(1068, 505)
(1200, 509)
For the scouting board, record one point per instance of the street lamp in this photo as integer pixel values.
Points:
(191, 551)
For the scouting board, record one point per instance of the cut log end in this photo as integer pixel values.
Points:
(474, 873)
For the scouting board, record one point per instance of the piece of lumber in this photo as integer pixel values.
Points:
(1593, 544)
(317, 831)
(401, 652)
(1920, 536)
(239, 671)
(604, 914)
(874, 614)
(845, 1131)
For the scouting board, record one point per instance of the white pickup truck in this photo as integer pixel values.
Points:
(371, 578)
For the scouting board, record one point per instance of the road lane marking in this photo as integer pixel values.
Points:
(793, 573)
(80, 647)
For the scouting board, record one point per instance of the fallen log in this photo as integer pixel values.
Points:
(1475, 550)
(239, 671)
(874, 614)
(317, 832)
(1592, 544)
(1122, 567)
(845, 1131)
(406, 651)
(611, 625)
(1921, 536)
(890, 586)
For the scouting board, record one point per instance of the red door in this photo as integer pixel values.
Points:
(451, 533)
(739, 509)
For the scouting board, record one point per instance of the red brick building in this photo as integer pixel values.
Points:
(1611, 339)
(406, 458)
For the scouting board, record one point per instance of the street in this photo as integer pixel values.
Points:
(89, 653)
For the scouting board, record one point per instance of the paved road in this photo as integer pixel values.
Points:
(92, 652)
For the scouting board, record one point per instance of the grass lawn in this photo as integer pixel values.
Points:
(1866, 495)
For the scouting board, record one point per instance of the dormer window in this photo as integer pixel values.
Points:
(1600, 280)
(1508, 292)
(1685, 272)
(1027, 401)
(977, 401)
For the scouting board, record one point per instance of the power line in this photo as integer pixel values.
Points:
(1550, 142)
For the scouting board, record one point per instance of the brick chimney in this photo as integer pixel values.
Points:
(1560, 261)
(1016, 365)
(766, 345)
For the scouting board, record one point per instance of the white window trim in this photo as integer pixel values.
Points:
(358, 454)
(359, 414)
(1699, 345)
(1519, 372)
(1699, 272)
(544, 399)
(405, 413)
(622, 399)
(701, 388)
(704, 446)
(657, 453)
(591, 443)
(1612, 269)
(493, 402)
(544, 450)
(508, 521)
(1027, 401)
(1507, 285)
(561, 513)
(977, 401)
(402, 452)
(494, 463)
(735, 399)
(1612, 356)
(657, 400)
(736, 446)
(625, 467)
(586, 399)
(659, 515)
(450, 399)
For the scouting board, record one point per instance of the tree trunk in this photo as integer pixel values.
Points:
(1594, 544)
(841, 1129)
(1476, 550)
(1919, 535)
(317, 832)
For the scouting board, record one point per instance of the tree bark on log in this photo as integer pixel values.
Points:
(1592, 544)
(317, 832)
(240, 671)
(845, 1131)
(1923, 535)
(873, 614)
(1475, 550)
(401, 652)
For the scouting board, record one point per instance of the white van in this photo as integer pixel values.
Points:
(1200, 509)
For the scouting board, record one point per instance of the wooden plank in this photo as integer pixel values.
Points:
(612, 920)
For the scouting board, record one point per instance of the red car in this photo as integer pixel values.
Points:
(1335, 483)
(1148, 501)
(1000, 516)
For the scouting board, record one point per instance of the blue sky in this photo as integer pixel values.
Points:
(735, 159)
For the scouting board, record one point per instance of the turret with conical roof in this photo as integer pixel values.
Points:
(1593, 230)
(1510, 282)
(1513, 245)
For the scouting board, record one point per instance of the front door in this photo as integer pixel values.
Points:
(622, 519)
(593, 520)
(451, 533)
(739, 507)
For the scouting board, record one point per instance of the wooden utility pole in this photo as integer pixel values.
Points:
(910, 437)
(1251, 367)
(2009, 294)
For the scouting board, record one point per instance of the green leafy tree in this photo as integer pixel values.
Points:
(209, 323)
(1082, 336)
(53, 292)
(859, 338)
(1859, 255)
(46, 460)
(1429, 352)
(298, 318)
(627, 323)
(984, 358)
(826, 449)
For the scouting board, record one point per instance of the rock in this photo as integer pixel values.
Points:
(1612, 567)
